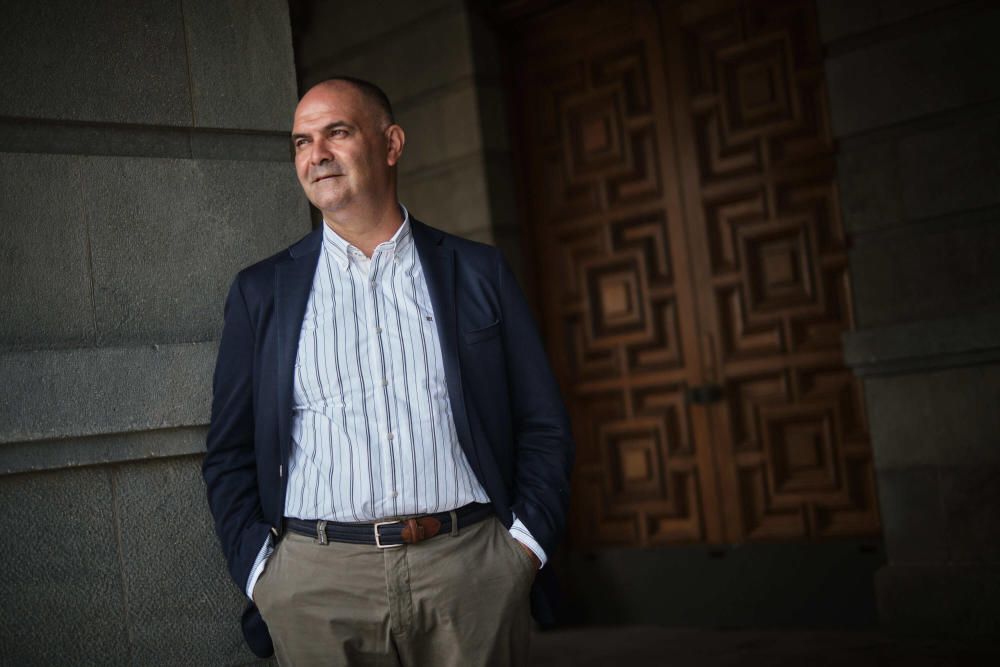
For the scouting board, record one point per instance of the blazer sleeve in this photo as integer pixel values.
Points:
(229, 467)
(543, 442)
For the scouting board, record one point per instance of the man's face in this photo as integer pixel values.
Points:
(342, 156)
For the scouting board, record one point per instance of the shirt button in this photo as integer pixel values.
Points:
(393, 494)
(378, 330)
(385, 382)
(390, 435)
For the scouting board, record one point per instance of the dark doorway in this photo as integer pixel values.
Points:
(680, 200)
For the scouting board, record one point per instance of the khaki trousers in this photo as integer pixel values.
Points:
(457, 600)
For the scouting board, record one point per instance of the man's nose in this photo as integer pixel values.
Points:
(319, 153)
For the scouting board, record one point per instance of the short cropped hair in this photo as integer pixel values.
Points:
(369, 91)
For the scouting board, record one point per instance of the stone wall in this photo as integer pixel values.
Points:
(915, 106)
(144, 159)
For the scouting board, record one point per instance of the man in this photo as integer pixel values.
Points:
(388, 457)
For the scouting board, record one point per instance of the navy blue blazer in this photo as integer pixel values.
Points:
(509, 416)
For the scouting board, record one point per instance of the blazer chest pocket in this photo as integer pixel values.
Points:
(485, 333)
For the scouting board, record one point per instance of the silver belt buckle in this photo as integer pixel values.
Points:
(378, 538)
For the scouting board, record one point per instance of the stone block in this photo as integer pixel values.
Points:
(494, 120)
(62, 591)
(921, 174)
(49, 394)
(164, 256)
(242, 69)
(841, 18)
(904, 277)
(429, 54)
(933, 69)
(35, 455)
(440, 127)
(968, 339)
(18, 135)
(501, 191)
(868, 180)
(249, 146)
(892, 11)
(938, 418)
(913, 521)
(971, 499)
(940, 600)
(182, 607)
(452, 197)
(485, 46)
(950, 169)
(112, 61)
(326, 30)
(46, 297)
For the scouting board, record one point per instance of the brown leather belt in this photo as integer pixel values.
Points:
(391, 532)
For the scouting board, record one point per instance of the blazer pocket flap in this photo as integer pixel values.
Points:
(479, 335)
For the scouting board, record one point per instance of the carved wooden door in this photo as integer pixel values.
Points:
(679, 185)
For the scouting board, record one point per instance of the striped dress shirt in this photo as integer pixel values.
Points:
(373, 435)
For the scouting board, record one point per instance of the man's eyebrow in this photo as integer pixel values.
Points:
(329, 126)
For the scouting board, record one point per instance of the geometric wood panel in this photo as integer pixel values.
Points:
(678, 184)
(602, 195)
(794, 459)
(801, 454)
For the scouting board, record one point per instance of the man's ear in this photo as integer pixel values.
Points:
(395, 139)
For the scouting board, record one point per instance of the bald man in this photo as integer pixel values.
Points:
(388, 459)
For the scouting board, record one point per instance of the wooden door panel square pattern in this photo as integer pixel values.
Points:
(680, 188)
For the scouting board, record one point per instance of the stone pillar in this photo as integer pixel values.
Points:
(915, 106)
(440, 66)
(144, 160)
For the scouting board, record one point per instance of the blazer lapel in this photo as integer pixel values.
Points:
(438, 263)
(293, 280)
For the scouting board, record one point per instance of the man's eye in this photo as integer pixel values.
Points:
(299, 143)
(339, 133)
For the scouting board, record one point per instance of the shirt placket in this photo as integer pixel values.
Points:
(375, 301)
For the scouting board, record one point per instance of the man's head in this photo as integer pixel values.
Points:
(346, 146)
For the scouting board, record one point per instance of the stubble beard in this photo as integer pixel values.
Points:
(329, 196)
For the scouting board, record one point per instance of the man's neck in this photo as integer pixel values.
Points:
(367, 231)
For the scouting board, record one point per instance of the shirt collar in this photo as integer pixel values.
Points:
(342, 251)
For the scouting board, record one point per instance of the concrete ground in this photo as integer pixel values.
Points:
(648, 646)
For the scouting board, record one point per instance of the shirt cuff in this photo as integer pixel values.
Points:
(521, 533)
(258, 565)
